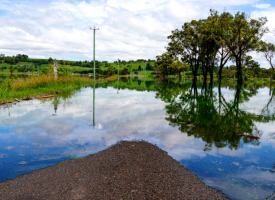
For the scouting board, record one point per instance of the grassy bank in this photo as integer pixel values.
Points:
(32, 86)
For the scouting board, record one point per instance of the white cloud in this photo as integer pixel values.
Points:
(262, 6)
(128, 29)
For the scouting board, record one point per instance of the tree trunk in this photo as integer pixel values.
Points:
(195, 75)
(180, 77)
(220, 75)
(211, 78)
(239, 70)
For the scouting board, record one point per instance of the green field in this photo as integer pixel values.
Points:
(80, 69)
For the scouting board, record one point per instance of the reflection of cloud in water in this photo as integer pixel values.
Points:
(129, 115)
(55, 128)
(120, 120)
(268, 131)
(228, 152)
(181, 152)
(43, 129)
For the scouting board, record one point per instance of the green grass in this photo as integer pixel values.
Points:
(22, 88)
(79, 69)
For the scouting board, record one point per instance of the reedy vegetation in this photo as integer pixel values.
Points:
(22, 88)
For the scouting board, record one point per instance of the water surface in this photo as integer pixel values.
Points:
(196, 125)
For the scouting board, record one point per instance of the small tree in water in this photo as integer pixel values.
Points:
(179, 67)
(11, 69)
(164, 61)
(111, 71)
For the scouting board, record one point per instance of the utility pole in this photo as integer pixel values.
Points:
(145, 76)
(145, 68)
(94, 81)
(94, 48)
(118, 67)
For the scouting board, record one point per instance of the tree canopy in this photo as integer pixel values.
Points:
(204, 43)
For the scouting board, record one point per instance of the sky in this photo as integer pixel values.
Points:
(128, 30)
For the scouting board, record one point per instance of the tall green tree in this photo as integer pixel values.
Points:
(223, 53)
(187, 43)
(268, 49)
(240, 34)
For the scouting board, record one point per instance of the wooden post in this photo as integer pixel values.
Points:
(226, 78)
(270, 80)
(234, 78)
(55, 68)
(255, 79)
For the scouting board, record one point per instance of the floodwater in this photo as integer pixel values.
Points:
(198, 126)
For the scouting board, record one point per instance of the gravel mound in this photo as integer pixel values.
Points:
(127, 170)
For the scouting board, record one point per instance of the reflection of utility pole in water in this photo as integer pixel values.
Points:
(118, 74)
(94, 107)
(94, 80)
(55, 104)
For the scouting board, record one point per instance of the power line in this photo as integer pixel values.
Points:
(80, 11)
(70, 11)
(104, 43)
(105, 47)
(73, 7)
(85, 16)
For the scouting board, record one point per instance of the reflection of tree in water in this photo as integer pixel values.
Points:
(63, 98)
(168, 91)
(130, 84)
(209, 116)
(267, 110)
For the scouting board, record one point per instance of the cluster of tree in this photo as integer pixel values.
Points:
(138, 60)
(110, 71)
(2, 68)
(251, 68)
(169, 64)
(209, 42)
(129, 67)
(26, 69)
(149, 67)
(141, 60)
(106, 64)
(22, 57)
(21, 68)
(11, 60)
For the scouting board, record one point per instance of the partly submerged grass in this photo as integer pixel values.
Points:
(22, 88)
